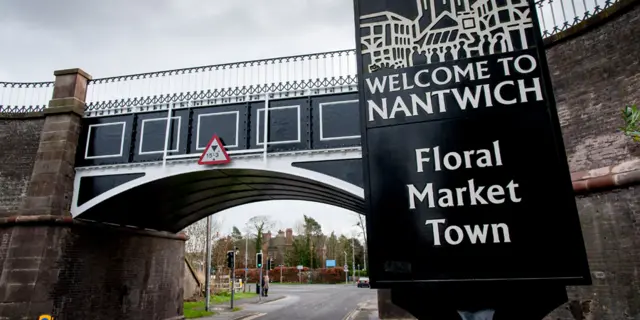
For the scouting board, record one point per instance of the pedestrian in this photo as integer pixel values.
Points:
(266, 286)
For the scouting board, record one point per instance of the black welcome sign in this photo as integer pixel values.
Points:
(466, 177)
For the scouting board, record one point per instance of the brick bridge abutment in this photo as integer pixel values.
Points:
(52, 264)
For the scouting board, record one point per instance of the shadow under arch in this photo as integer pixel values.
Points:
(172, 203)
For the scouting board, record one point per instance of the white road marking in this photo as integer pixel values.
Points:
(351, 314)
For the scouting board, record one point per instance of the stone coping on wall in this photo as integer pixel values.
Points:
(70, 221)
(620, 175)
(19, 116)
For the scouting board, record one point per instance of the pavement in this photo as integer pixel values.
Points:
(306, 301)
(367, 310)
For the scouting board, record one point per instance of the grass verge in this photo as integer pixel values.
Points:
(194, 313)
(195, 309)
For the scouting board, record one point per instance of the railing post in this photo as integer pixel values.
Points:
(50, 189)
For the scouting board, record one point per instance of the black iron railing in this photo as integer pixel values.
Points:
(24, 97)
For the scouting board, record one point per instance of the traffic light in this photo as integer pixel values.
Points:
(230, 258)
(269, 264)
(259, 259)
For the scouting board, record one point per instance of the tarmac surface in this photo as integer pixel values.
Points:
(306, 301)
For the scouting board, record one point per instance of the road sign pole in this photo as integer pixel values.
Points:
(346, 271)
(233, 279)
(207, 280)
(260, 286)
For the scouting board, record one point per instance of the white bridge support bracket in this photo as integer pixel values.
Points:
(278, 162)
(266, 128)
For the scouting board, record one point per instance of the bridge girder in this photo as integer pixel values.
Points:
(174, 202)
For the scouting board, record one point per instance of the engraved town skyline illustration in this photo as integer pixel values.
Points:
(445, 30)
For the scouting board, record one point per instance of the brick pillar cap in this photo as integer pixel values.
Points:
(72, 71)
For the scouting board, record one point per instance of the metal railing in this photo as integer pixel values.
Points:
(301, 72)
(23, 97)
(559, 15)
(319, 70)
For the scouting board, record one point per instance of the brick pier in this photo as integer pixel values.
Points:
(52, 264)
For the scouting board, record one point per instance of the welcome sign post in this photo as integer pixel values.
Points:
(466, 177)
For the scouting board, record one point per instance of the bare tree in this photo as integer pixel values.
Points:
(362, 224)
(195, 247)
(219, 253)
(258, 225)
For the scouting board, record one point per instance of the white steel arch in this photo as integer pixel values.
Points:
(275, 162)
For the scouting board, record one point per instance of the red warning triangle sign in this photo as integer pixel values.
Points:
(214, 153)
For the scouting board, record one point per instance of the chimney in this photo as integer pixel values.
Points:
(289, 239)
(266, 237)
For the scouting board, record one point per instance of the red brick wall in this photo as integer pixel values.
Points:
(611, 228)
(19, 139)
(78, 272)
(594, 76)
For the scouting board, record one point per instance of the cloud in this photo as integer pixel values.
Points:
(115, 37)
(287, 213)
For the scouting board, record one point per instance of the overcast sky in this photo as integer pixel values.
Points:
(115, 37)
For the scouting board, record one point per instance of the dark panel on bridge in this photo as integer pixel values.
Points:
(229, 122)
(335, 121)
(349, 170)
(150, 133)
(317, 121)
(105, 140)
(288, 129)
(91, 187)
(172, 203)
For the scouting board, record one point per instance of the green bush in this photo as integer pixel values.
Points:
(631, 117)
